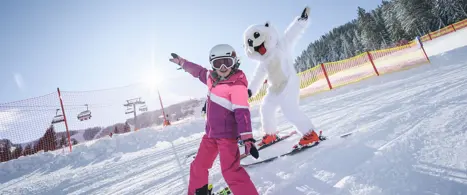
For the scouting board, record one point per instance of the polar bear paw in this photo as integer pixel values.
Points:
(305, 13)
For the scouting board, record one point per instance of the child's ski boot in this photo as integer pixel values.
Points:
(205, 190)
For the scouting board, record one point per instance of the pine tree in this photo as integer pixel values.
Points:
(299, 64)
(380, 27)
(28, 150)
(347, 46)
(357, 42)
(5, 151)
(17, 152)
(394, 26)
(63, 141)
(48, 141)
(449, 11)
(311, 61)
(369, 29)
(416, 16)
(126, 128)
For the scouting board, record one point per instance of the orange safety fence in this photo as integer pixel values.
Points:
(350, 70)
(399, 58)
(460, 25)
(313, 79)
(443, 31)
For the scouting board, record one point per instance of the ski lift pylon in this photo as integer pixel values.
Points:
(58, 118)
(85, 115)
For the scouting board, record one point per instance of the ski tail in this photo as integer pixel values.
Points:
(294, 151)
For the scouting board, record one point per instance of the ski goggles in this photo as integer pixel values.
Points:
(227, 62)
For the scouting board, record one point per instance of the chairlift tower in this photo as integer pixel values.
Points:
(132, 103)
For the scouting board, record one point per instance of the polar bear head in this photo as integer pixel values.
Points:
(260, 40)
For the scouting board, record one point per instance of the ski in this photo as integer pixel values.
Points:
(267, 145)
(258, 147)
(292, 152)
(191, 154)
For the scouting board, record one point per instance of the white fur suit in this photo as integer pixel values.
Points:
(274, 53)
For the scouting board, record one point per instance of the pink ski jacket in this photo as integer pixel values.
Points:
(227, 111)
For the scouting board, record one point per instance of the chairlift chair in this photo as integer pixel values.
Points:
(143, 108)
(129, 110)
(58, 118)
(85, 115)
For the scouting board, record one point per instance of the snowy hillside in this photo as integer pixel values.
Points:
(410, 138)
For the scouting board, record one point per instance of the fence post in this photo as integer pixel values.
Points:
(420, 43)
(64, 117)
(326, 75)
(453, 27)
(372, 63)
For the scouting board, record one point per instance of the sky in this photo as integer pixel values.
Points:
(92, 45)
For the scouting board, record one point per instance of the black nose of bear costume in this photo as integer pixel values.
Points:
(250, 42)
(256, 35)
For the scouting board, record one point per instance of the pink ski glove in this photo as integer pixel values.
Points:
(250, 147)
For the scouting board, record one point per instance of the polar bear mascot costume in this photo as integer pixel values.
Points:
(263, 43)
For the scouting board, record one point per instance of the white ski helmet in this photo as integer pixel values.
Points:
(223, 55)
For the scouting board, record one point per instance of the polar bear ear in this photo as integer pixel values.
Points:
(267, 24)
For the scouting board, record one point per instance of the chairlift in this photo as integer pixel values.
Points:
(129, 110)
(85, 115)
(58, 118)
(143, 108)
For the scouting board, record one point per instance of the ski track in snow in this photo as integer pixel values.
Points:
(409, 138)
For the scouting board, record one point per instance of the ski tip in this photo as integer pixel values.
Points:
(345, 135)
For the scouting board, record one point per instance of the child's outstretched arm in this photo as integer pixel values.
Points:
(194, 69)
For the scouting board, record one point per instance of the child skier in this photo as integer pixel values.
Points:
(228, 116)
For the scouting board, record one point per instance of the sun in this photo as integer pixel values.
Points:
(151, 80)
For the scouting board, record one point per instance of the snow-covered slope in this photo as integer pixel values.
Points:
(410, 138)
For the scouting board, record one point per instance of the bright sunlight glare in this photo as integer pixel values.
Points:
(152, 80)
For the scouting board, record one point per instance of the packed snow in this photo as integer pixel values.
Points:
(409, 138)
